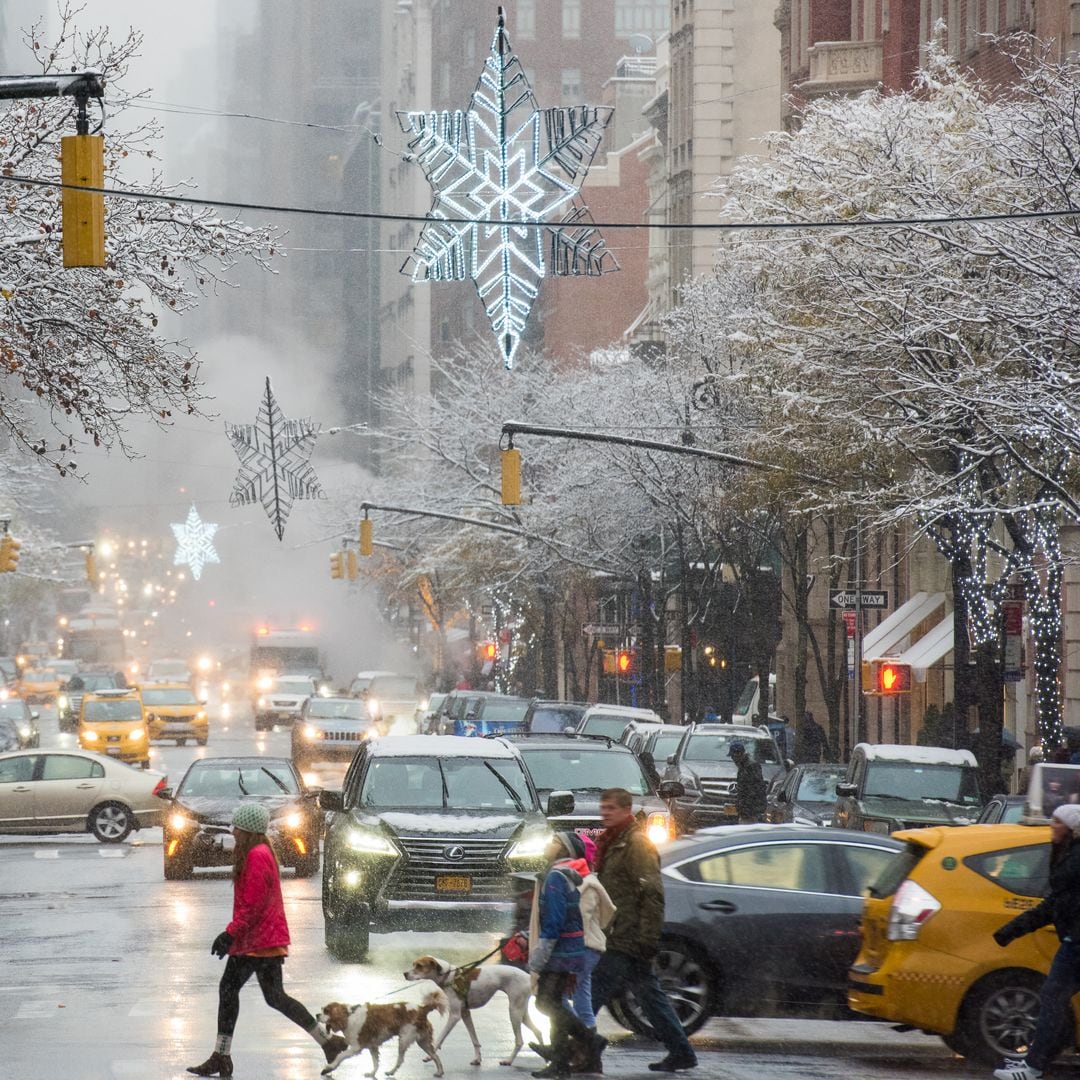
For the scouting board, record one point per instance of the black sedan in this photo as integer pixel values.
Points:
(805, 795)
(1002, 810)
(19, 717)
(198, 823)
(761, 920)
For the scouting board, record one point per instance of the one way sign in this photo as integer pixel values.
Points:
(848, 598)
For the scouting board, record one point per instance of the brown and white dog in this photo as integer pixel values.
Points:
(470, 988)
(367, 1027)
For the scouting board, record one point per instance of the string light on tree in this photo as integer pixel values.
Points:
(194, 543)
(498, 169)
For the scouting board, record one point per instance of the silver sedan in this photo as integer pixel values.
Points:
(63, 791)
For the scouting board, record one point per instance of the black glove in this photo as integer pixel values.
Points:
(221, 944)
(1003, 935)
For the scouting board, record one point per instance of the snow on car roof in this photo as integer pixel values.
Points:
(446, 823)
(622, 710)
(441, 746)
(922, 755)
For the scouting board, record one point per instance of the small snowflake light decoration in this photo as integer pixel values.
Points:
(274, 466)
(497, 170)
(194, 543)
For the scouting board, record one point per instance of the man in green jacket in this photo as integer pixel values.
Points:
(629, 869)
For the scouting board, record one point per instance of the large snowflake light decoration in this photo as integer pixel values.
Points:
(194, 543)
(497, 170)
(274, 466)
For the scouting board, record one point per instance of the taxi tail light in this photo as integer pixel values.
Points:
(173, 845)
(912, 908)
(300, 845)
(159, 787)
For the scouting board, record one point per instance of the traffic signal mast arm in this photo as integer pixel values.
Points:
(413, 511)
(512, 428)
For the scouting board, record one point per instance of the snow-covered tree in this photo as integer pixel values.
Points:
(82, 351)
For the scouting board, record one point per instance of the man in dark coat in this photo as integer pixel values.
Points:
(750, 788)
(629, 869)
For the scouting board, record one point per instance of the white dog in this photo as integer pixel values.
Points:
(471, 988)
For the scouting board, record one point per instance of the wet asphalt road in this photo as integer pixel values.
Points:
(105, 973)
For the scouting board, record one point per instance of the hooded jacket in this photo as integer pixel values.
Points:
(559, 944)
(597, 910)
(630, 873)
(258, 920)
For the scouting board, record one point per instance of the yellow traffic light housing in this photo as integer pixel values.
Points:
(352, 566)
(367, 544)
(337, 564)
(511, 476)
(82, 164)
(9, 554)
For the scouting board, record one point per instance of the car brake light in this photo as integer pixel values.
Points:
(911, 908)
(159, 787)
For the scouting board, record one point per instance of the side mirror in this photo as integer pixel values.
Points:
(671, 759)
(569, 730)
(202, 702)
(671, 789)
(313, 793)
(165, 793)
(560, 803)
(332, 800)
(789, 763)
(847, 791)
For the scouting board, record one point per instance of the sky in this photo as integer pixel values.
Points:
(259, 578)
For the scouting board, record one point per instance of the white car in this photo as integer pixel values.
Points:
(75, 791)
(612, 720)
(281, 702)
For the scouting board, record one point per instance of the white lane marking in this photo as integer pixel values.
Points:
(112, 853)
(52, 854)
(35, 1010)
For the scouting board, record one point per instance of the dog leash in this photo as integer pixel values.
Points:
(462, 967)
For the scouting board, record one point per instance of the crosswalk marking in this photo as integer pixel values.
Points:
(112, 853)
(35, 1010)
(53, 854)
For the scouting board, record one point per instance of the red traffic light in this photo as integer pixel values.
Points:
(624, 662)
(893, 678)
(489, 651)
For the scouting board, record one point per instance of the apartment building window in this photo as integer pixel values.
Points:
(641, 17)
(525, 19)
(571, 19)
(571, 86)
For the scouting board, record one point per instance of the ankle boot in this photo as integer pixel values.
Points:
(215, 1065)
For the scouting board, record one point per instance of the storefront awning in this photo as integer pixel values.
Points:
(930, 648)
(887, 638)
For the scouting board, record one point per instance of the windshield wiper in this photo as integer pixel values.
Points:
(506, 784)
(276, 780)
(240, 781)
(445, 789)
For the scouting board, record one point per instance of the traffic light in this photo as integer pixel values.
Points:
(91, 568)
(511, 476)
(82, 164)
(351, 564)
(367, 544)
(337, 564)
(489, 652)
(893, 678)
(624, 662)
(9, 554)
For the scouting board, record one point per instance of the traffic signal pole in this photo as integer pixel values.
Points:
(415, 511)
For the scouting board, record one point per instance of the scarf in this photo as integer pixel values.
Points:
(607, 838)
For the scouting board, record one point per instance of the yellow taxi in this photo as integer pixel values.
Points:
(112, 722)
(928, 957)
(174, 712)
(39, 684)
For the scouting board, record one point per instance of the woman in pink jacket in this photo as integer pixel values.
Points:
(256, 942)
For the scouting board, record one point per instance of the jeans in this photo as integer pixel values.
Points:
(617, 972)
(582, 1000)
(268, 970)
(1056, 1028)
(552, 990)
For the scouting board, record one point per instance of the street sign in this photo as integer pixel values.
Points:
(601, 629)
(848, 598)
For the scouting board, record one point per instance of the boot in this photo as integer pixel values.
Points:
(556, 1070)
(215, 1065)
(588, 1060)
(544, 1050)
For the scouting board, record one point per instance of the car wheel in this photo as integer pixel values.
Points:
(181, 742)
(179, 867)
(203, 742)
(145, 763)
(346, 926)
(622, 1015)
(111, 822)
(685, 979)
(997, 1018)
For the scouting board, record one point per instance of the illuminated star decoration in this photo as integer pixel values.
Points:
(194, 543)
(494, 169)
(274, 466)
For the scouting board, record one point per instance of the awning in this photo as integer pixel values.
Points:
(886, 639)
(930, 648)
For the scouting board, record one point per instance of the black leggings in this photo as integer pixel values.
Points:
(268, 970)
(552, 990)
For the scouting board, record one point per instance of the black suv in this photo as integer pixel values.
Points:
(586, 765)
(653, 743)
(426, 828)
(701, 764)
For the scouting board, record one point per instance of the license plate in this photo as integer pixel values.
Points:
(453, 883)
(112, 751)
(113, 738)
(588, 832)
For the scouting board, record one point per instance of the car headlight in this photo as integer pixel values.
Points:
(264, 683)
(178, 821)
(89, 736)
(531, 846)
(62, 702)
(373, 706)
(311, 731)
(201, 714)
(137, 733)
(370, 842)
(294, 821)
(658, 828)
(876, 825)
(324, 690)
(24, 733)
(261, 703)
(423, 706)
